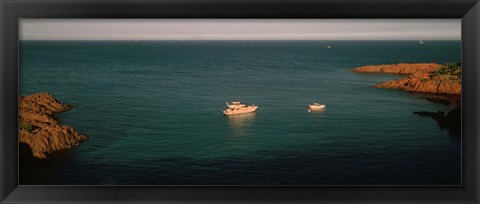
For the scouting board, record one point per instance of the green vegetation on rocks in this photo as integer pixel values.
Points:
(25, 126)
(453, 70)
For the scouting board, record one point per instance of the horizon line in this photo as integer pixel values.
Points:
(240, 40)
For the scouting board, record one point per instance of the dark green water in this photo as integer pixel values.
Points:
(152, 111)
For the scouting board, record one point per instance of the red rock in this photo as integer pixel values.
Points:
(401, 68)
(47, 134)
(418, 80)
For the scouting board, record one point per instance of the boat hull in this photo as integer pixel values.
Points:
(317, 107)
(235, 111)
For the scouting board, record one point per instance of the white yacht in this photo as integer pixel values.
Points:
(236, 107)
(316, 106)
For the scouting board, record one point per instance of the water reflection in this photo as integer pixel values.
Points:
(316, 110)
(241, 123)
(316, 114)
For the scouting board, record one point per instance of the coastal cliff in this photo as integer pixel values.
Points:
(436, 82)
(400, 68)
(422, 77)
(40, 130)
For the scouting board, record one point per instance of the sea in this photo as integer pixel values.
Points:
(153, 113)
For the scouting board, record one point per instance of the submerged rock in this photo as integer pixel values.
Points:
(452, 120)
(445, 99)
(39, 129)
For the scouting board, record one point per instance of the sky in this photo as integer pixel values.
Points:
(240, 29)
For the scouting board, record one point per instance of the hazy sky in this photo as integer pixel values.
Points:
(240, 29)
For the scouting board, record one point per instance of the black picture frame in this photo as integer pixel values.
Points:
(13, 10)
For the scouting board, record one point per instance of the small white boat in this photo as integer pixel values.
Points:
(329, 46)
(316, 106)
(421, 42)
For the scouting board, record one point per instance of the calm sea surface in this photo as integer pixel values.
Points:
(153, 113)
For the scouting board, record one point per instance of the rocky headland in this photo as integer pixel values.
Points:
(438, 82)
(435, 82)
(421, 77)
(40, 129)
(400, 68)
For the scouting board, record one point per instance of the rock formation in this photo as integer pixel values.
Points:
(421, 82)
(436, 82)
(401, 68)
(39, 129)
(426, 78)
(451, 120)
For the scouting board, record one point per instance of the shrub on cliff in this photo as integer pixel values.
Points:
(453, 70)
(25, 126)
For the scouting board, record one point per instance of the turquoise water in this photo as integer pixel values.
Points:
(152, 111)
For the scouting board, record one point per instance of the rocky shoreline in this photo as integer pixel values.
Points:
(400, 68)
(434, 82)
(422, 77)
(40, 130)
